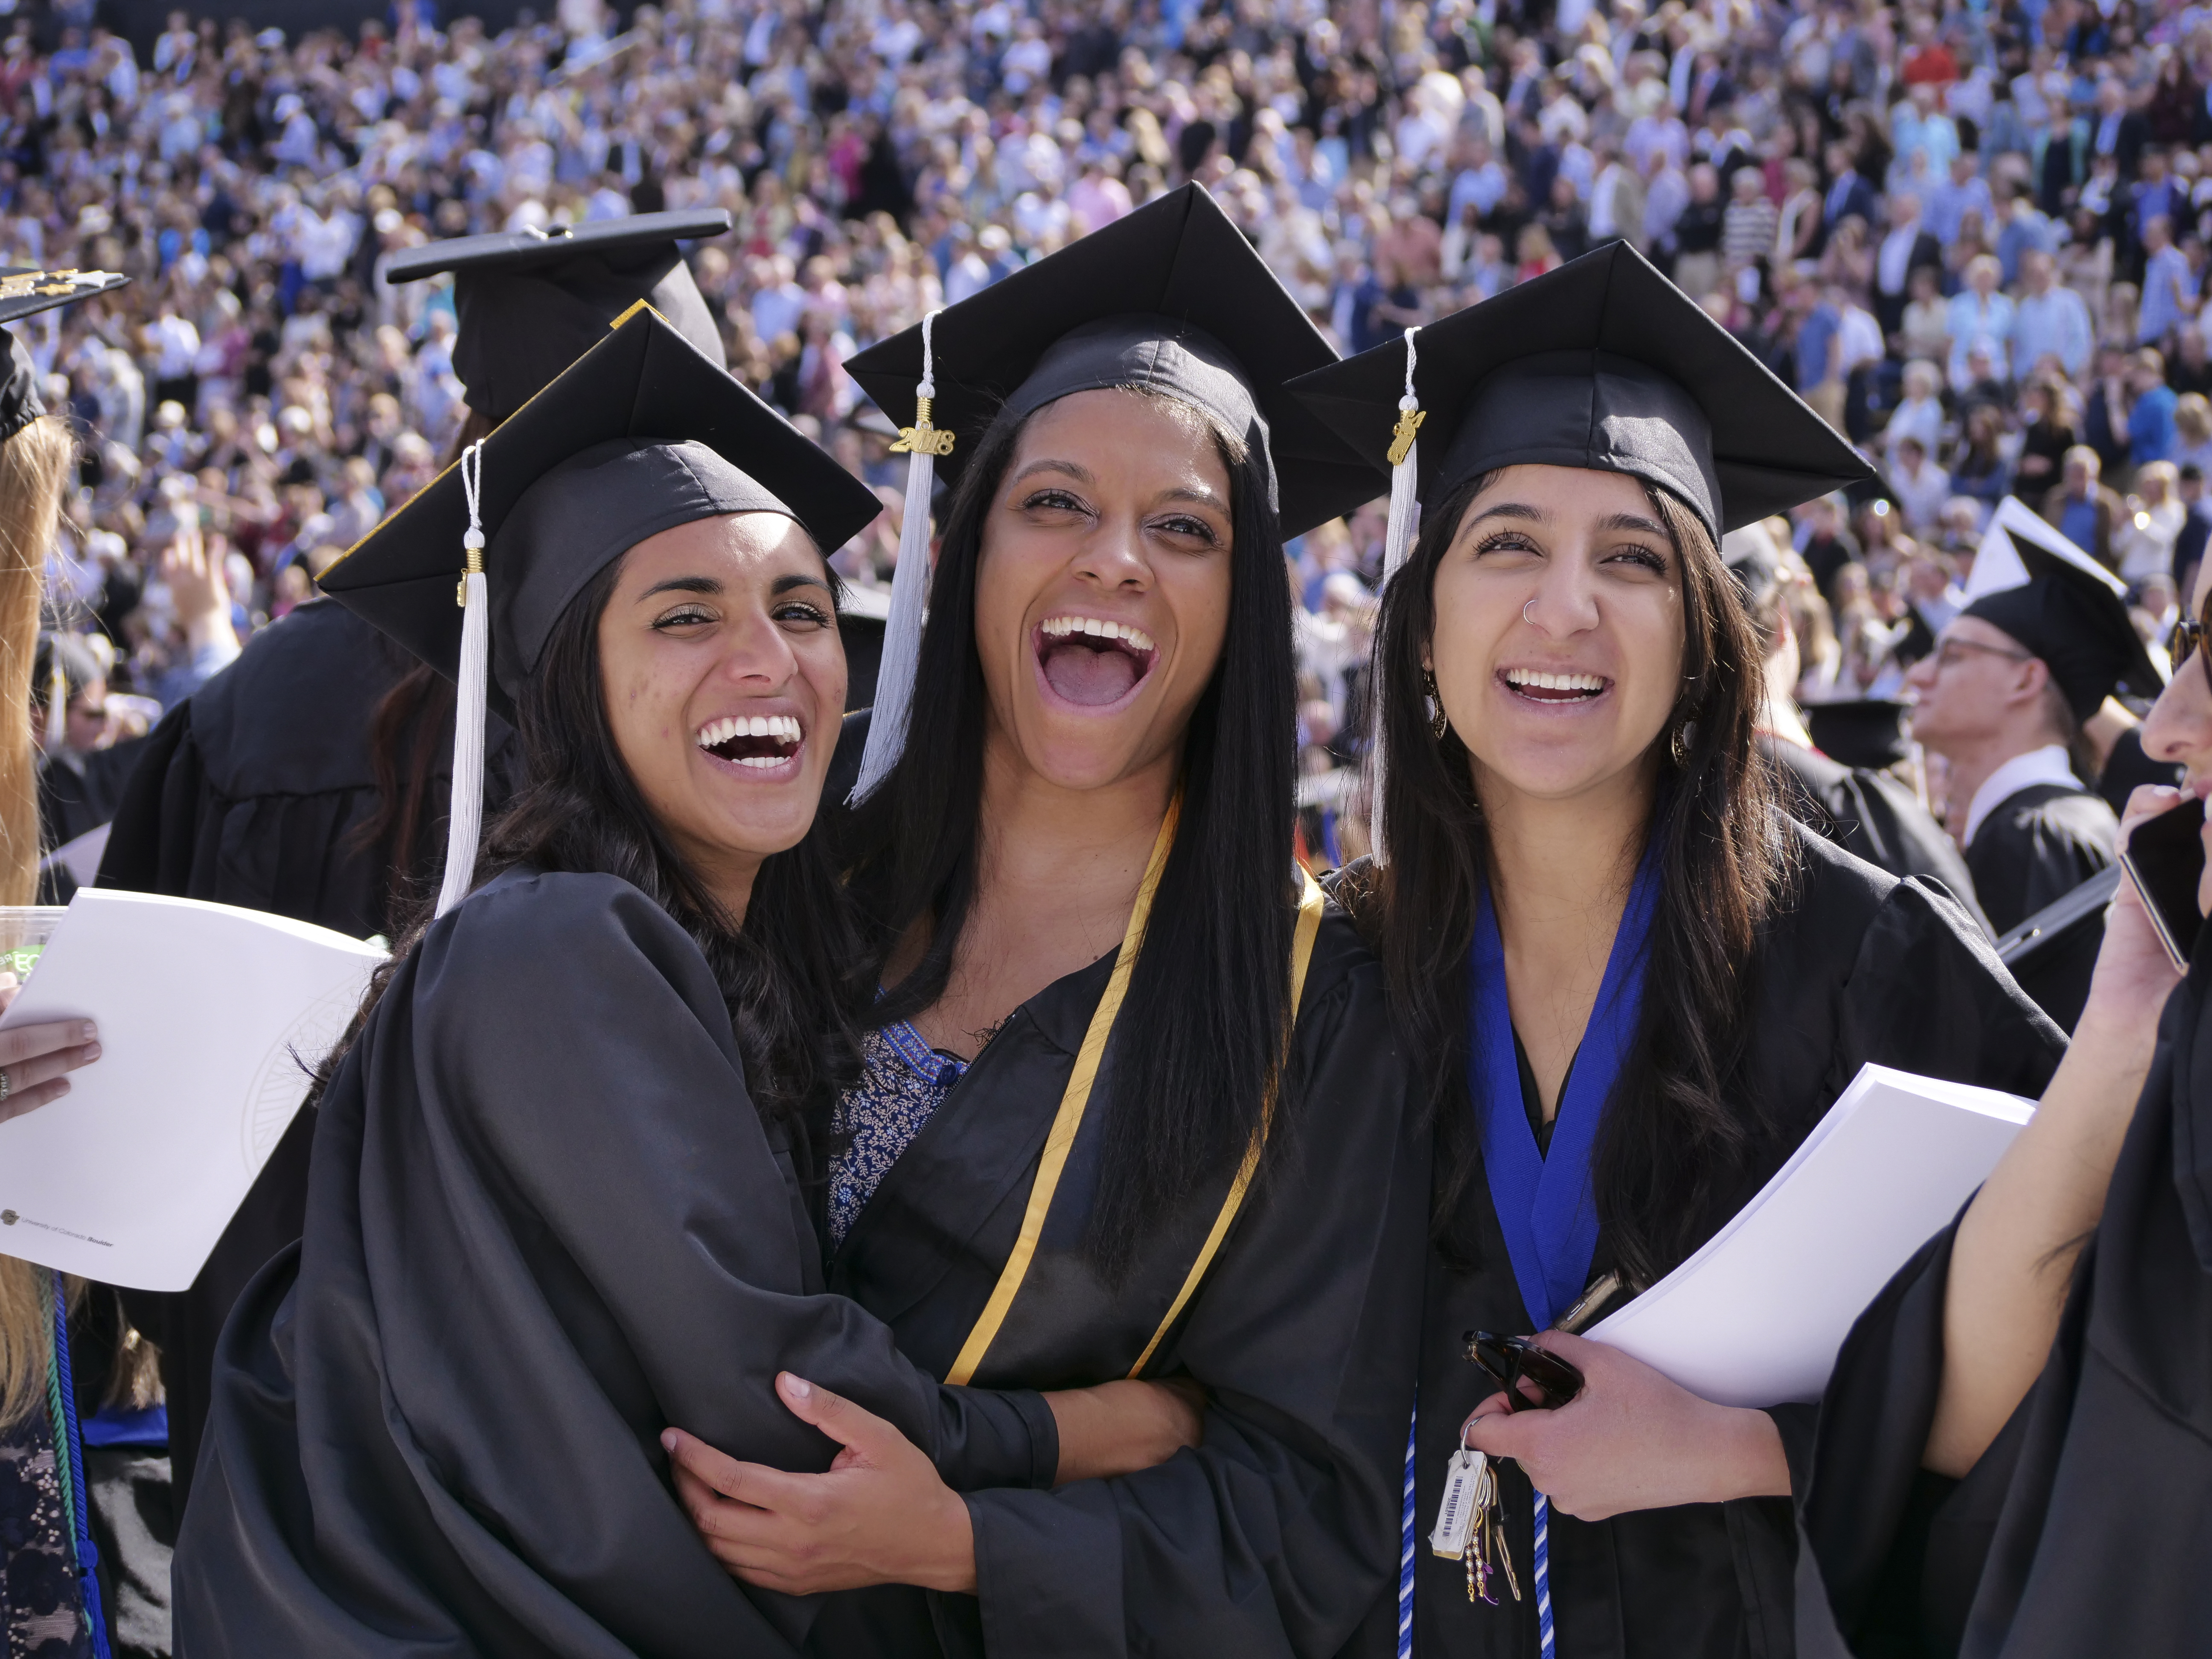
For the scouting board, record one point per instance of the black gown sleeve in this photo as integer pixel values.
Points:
(1278, 1534)
(2025, 857)
(545, 1222)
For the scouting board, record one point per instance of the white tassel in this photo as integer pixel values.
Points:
(921, 443)
(465, 817)
(1404, 522)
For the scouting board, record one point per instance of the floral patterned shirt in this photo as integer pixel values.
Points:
(40, 1614)
(903, 1082)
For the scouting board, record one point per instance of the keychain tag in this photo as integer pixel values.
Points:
(1463, 1498)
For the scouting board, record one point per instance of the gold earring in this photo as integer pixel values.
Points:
(1682, 744)
(1438, 724)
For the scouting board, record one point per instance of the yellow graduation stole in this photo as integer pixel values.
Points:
(1069, 1119)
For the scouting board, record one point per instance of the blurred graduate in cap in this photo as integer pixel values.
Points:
(2015, 1446)
(1847, 797)
(1632, 982)
(561, 1186)
(2046, 637)
(1130, 1104)
(310, 779)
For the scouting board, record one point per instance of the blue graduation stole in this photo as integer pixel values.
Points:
(1544, 1204)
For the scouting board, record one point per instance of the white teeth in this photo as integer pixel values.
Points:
(783, 728)
(1098, 629)
(1533, 679)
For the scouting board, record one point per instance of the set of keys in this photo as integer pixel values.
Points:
(1471, 1526)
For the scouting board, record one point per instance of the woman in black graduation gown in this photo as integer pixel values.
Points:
(2015, 1457)
(309, 779)
(557, 1197)
(1631, 983)
(1045, 1180)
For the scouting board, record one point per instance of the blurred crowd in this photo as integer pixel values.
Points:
(1970, 233)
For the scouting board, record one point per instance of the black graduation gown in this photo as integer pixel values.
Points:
(2036, 846)
(77, 793)
(253, 791)
(1871, 814)
(1862, 968)
(1279, 1534)
(2087, 1526)
(544, 1223)
(2127, 767)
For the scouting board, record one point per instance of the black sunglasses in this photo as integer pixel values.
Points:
(1511, 1360)
(2189, 636)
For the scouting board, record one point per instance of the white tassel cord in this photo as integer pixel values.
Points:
(1404, 522)
(465, 817)
(922, 443)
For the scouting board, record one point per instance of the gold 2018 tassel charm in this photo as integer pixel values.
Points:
(921, 438)
(1402, 435)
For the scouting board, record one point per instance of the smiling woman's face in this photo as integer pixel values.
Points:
(725, 682)
(1558, 640)
(1102, 588)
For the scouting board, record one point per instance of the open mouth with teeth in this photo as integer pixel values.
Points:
(760, 743)
(1537, 686)
(1093, 663)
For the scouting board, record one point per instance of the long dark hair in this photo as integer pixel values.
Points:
(1203, 1029)
(786, 973)
(1671, 1139)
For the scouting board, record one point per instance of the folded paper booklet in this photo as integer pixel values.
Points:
(1756, 1318)
(210, 1018)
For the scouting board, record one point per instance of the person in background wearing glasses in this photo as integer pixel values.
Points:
(2002, 697)
(2015, 1458)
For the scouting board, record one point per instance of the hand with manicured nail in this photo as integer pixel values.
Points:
(880, 1516)
(33, 1058)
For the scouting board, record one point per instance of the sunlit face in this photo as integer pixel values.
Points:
(2179, 729)
(1102, 585)
(87, 717)
(1961, 689)
(1558, 641)
(725, 682)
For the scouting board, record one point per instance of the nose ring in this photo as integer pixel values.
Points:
(1526, 609)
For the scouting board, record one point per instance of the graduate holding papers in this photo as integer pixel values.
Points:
(1634, 985)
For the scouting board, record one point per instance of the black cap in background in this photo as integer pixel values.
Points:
(25, 291)
(1171, 297)
(2032, 583)
(641, 433)
(1870, 732)
(1604, 364)
(529, 303)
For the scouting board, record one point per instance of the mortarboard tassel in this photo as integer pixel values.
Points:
(465, 817)
(1404, 522)
(921, 444)
(56, 702)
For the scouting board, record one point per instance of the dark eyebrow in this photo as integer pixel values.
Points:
(1204, 497)
(1509, 510)
(785, 584)
(684, 585)
(1635, 522)
(1073, 469)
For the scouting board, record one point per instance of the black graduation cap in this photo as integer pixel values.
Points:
(531, 302)
(1170, 295)
(25, 291)
(641, 433)
(1602, 363)
(2060, 604)
(1868, 732)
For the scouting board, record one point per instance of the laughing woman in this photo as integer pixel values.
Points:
(559, 1186)
(1109, 1011)
(1631, 983)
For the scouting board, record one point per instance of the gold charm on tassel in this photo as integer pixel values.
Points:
(921, 438)
(1402, 435)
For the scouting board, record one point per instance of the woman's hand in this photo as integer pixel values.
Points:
(1119, 1428)
(1631, 1440)
(880, 1516)
(2133, 975)
(33, 1058)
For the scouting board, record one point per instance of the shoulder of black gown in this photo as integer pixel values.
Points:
(1895, 972)
(291, 716)
(2036, 846)
(1872, 815)
(2127, 768)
